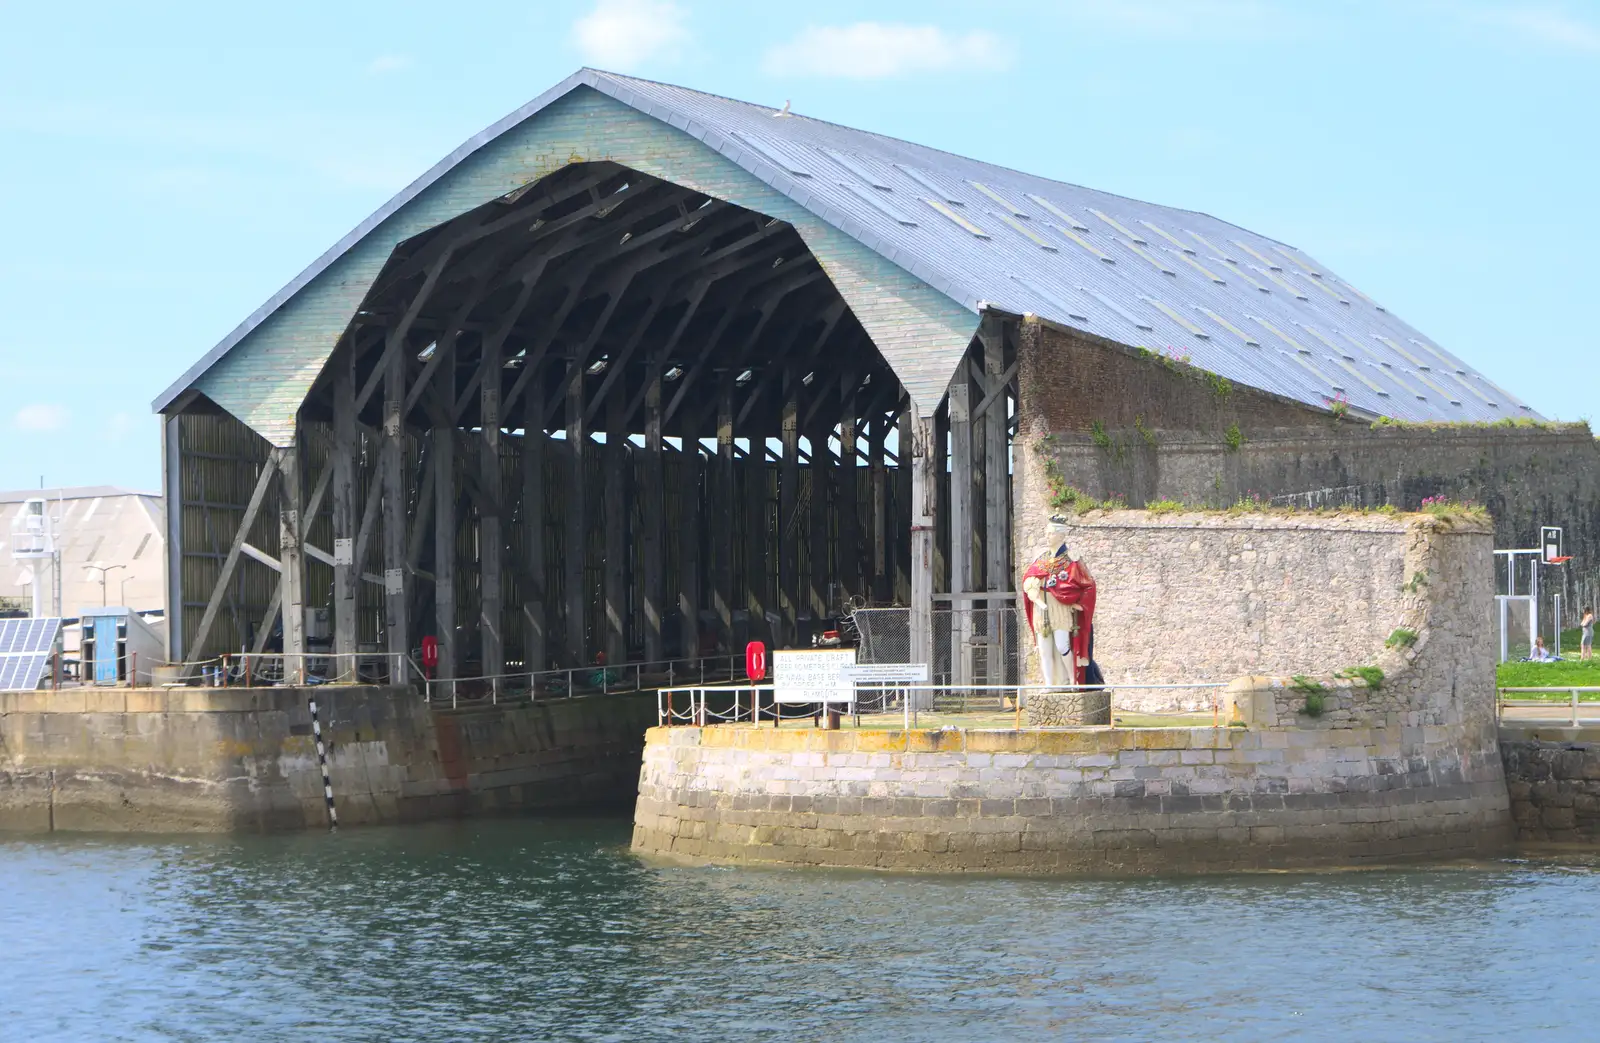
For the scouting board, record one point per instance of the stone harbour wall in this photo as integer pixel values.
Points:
(1068, 801)
(195, 759)
(1553, 776)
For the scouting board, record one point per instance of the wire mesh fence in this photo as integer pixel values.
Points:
(976, 652)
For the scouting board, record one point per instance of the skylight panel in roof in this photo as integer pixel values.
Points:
(938, 190)
(1394, 375)
(1270, 328)
(1240, 272)
(1330, 291)
(1373, 385)
(1499, 391)
(879, 203)
(1464, 382)
(1113, 223)
(1305, 363)
(1436, 389)
(772, 154)
(1230, 327)
(1279, 281)
(1202, 269)
(1084, 243)
(1269, 262)
(998, 198)
(1024, 231)
(1358, 293)
(1117, 309)
(1305, 265)
(857, 168)
(1160, 266)
(1169, 237)
(1209, 245)
(1065, 306)
(1402, 352)
(1449, 363)
(1175, 317)
(957, 219)
(1051, 208)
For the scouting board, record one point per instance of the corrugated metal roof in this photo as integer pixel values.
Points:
(1254, 310)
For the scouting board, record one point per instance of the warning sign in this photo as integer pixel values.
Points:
(813, 676)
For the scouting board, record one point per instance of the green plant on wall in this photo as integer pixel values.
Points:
(1416, 582)
(1233, 437)
(1145, 433)
(1373, 675)
(1316, 695)
(1402, 637)
(1220, 385)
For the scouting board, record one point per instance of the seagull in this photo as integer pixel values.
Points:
(783, 111)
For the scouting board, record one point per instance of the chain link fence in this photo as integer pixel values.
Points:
(980, 647)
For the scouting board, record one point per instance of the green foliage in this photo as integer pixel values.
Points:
(1233, 437)
(1097, 434)
(1416, 582)
(1446, 508)
(1373, 675)
(1166, 506)
(1315, 693)
(1145, 433)
(1468, 425)
(1401, 637)
(1220, 385)
(1302, 683)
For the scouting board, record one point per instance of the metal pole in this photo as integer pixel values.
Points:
(1574, 707)
(1555, 600)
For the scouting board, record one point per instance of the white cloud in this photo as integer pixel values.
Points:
(622, 34)
(1542, 24)
(388, 63)
(877, 50)
(40, 416)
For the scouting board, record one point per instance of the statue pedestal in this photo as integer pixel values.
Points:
(1068, 709)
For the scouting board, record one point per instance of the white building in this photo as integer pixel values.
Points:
(112, 548)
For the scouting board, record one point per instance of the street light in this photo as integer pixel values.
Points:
(104, 570)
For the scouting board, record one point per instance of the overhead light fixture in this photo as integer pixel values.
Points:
(427, 353)
(808, 378)
(777, 261)
(744, 378)
(672, 374)
(598, 365)
(625, 237)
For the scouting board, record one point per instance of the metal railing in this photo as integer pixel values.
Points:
(757, 702)
(1574, 694)
(531, 686)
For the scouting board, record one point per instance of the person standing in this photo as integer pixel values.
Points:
(1586, 641)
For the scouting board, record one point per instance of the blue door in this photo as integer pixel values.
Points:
(105, 649)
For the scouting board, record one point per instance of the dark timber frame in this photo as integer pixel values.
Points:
(604, 413)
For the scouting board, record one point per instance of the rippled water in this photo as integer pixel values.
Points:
(524, 930)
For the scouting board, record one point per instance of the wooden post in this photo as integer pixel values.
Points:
(615, 520)
(847, 492)
(652, 513)
(882, 591)
(961, 525)
(905, 505)
(727, 508)
(291, 555)
(172, 487)
(577, 521)
(788, 501)
(917, 453)
(689, 552)
(395, 578)
(346, 569)
(535, 651)
(817, 570)
(491, 537)
(444, 521)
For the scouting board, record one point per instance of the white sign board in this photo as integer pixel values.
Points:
(813, 676)
(886, 673)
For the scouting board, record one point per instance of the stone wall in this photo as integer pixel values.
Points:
(1553, 776)
(1396, 763)
(1164, 436)
(193, 759)
(1070, 801)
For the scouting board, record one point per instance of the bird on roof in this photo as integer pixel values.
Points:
(783, 111)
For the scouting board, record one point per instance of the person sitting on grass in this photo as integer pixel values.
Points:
(1539, 653)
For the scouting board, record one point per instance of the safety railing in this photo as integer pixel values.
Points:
(756, 703)
(532, 686)
(300, 669)
(1567, 697)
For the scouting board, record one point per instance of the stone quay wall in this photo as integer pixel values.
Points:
(197, 759)
(1553, 776)
(1069, 801)
(1312, 768)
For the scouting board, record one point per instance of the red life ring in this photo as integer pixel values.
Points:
(755, 661)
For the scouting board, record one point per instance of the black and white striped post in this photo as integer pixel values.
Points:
(322, 759)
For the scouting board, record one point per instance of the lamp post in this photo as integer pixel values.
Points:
(104, 571)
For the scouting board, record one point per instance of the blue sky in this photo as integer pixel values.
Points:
(167, 167)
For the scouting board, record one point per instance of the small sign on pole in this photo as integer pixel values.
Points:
(813, 675)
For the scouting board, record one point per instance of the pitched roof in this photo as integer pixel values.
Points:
(1185, 284)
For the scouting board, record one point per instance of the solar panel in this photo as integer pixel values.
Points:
(25, 648)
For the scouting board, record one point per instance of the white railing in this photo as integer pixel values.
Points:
(736, 702)
(534, 685)
(1574, 692)
(250, 669)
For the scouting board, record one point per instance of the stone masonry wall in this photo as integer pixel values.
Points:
(1553, 776)
(192, 759)
(1165, 434)
(1083, 801)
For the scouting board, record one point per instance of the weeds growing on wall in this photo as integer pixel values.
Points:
(1416, 582)
(1401, 637)
(1315, 693)
(1233, 437)
(1145, 433)
(1469, 425)
(1220, 385)
(1371, 674)
(1445, 507)
(1339, 406)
